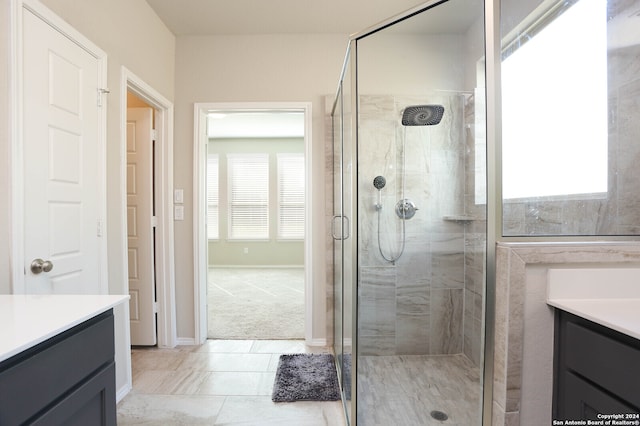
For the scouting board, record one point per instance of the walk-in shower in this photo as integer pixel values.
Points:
(410, 214)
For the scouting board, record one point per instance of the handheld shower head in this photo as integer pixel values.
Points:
(422, 115)
(379, 182)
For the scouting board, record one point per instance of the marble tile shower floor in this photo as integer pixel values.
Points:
(404, 390)
(223, 382)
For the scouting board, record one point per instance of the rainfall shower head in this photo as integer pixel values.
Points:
(422, 115)
(379, 182)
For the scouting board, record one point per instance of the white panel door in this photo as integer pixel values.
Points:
(140, 227)
(62, 172)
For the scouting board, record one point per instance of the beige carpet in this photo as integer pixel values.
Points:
(255, 303)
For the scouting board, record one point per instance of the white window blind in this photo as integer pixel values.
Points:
(212, 197)
(248, 196)
(290, 196)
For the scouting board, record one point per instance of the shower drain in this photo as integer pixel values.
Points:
(439, 415)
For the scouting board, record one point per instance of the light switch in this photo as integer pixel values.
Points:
(178, 196)
(178, 212)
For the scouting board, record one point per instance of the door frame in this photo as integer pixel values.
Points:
(200, 261)
(163, 178)
(17, 139)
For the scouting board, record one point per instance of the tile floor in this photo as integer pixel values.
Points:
(223, 382)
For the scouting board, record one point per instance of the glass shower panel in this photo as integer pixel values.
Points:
(421, 218)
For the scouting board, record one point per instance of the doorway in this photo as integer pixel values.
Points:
(241, 242)
(255, 224)
(164, 302)
(140, 221)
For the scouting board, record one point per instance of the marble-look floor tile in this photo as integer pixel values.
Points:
(226, 362)
(169, 410)
(219, 383)
(238, 384)
(178, 382)
(145, 359)
(262, 411)
(225, 346)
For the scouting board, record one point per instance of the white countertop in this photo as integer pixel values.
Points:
(609, 297)
(26, 320)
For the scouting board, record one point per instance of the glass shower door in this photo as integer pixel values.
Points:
(421, 218)
(343, 238)
(336, 232)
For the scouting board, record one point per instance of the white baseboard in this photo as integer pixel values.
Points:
(122, 392)
(186, 341)
(316, 342)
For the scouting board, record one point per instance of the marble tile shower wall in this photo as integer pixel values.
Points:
(618, 213)
(425, 303)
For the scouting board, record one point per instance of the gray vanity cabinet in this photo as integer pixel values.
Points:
(596, 371)
(68, 379)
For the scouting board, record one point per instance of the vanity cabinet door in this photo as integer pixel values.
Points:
(87, 405)
(582, 400)
(595, 370)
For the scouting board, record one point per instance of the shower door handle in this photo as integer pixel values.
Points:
(343, 235)
(333, 227)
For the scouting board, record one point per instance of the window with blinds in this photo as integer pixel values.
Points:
(290, 196)
(212, 197)
(248, 176)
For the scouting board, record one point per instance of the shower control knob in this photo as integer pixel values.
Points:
(406, 209)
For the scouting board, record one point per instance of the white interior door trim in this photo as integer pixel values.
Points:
(200, 208)
(17, 140)
(165, 271)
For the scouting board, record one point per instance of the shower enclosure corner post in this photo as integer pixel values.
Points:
(494, 193)
(353, 103)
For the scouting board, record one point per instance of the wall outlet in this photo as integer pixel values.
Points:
(246, 250)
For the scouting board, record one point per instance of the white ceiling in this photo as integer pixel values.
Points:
(209, 17)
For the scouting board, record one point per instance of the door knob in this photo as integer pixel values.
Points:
(39, 265)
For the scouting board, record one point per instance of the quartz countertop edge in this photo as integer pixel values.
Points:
(622, 315)
(27, 320)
